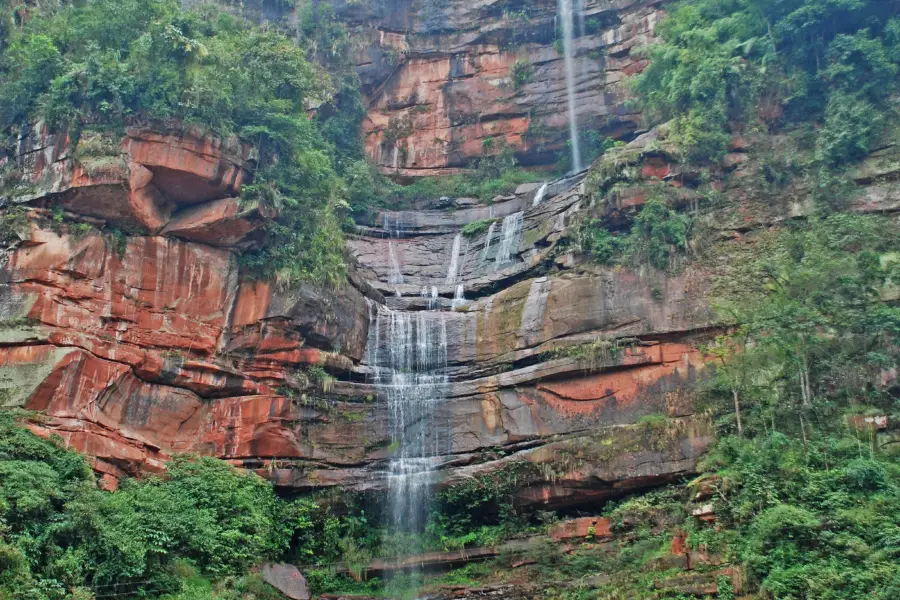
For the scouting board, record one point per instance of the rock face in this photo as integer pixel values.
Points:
(578, 379)
(446, 80)
(140, 346)
(137, 347)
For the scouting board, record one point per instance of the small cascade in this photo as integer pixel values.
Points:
(459, 298)
(396, 276)
(539, 197)
(407, 352)
(453, 270)
(566, 17)
(510, 232)
(431, 297)
(487, 241)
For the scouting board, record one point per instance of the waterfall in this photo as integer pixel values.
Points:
(396, 276)
(539, 197)
(454, 259)
(487, 240)
(459, 298)
(579, 12)
(565, 16)
(509, 237)
(408, 356)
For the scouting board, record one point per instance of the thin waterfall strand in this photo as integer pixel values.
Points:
(539, 196)
(396, 276)
(459, 298)
(565, 16)
(487, 240)
(453, 270)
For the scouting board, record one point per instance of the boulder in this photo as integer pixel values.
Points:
(287, 579)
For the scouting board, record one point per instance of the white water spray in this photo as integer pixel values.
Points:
(453, 270)
(539, 197)
(408, 355)
(510, 232)
(565, 16)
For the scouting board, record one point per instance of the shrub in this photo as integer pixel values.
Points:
(657, 234)
(477, 227)
(717, 58)
(520, 73)
(60, 531)
(593, 239)
(105, 63)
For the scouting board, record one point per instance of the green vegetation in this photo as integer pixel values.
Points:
(13, 225)
(658, 235)
(477, 227)
(102, 64)
(520, 73)
(774, 63)
(497, 173)
(62, 537)
(808, 502)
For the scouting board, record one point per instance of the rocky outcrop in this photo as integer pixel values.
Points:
(135, 347)
(153, 179)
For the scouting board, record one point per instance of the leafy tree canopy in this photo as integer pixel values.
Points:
(105, 63)
(828, 61)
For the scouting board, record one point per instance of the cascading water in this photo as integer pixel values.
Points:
(510, 232)
(579, 13)
(396, 276)
(539, 196)
(407, 352)
(487, 240)
(459, 298)
(453, 270)
(565, 17)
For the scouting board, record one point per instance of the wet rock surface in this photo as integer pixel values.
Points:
(141, 347)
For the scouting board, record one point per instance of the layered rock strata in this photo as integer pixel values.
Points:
(138, 346)
(580, 379)
(448, 82)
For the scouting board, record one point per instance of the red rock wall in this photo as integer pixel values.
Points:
(439, 86)
(137, 347)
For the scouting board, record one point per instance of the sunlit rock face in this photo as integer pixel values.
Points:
(137, 346)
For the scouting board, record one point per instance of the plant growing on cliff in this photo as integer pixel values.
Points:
(769, 62)
(657, 234)
(477, 227)
(13, 225)
(520, 73)
(107, 63)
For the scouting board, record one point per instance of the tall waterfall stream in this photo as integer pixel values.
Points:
(407, 352)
